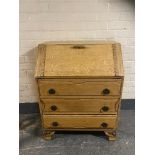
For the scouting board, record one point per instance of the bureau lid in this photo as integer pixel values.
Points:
(79, 60)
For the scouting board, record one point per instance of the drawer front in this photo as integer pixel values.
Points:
(79, 87)
(79, 121)
(80, 106)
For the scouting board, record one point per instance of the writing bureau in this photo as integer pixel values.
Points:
(80, 86)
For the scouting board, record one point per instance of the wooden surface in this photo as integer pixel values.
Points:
(66, 61)
(40, 65)
(92, 60)
(80, 106)
(79, 121)
(79, 87)
(79, 72)
(119, 71)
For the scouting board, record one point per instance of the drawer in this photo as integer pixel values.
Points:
(80, 121)
(58, 87)
(80, 106)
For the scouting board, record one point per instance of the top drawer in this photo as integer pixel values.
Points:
(101, 87)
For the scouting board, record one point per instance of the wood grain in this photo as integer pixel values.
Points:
(78, 72)
(62, 60)
(79, 121)
(80, 106)
(81, 87)
(40, 65)
(118, 60)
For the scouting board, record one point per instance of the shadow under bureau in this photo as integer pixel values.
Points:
(80, 86)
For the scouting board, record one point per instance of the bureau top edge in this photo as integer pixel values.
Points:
(78, 42)
(79, 77)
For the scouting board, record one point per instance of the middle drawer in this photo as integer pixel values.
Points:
(80, 106)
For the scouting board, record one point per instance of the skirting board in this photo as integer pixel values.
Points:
(28, 108)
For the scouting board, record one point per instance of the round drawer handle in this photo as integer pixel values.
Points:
(106, 91)
(104, 125)
(51, 91)
(54, 108)
(55, 124)
(105, 108)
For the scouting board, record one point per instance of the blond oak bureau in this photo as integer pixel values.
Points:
(80, 86)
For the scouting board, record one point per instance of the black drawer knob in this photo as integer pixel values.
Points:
(55, 124)
(54, 108)
(106, 91)
(51, 91)
(104, 125)
(105, 108)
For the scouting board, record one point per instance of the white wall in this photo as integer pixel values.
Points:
(65, 20)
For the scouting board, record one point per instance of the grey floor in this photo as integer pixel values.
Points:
(76, 143)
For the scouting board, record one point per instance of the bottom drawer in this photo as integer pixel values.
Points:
(80, 121)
